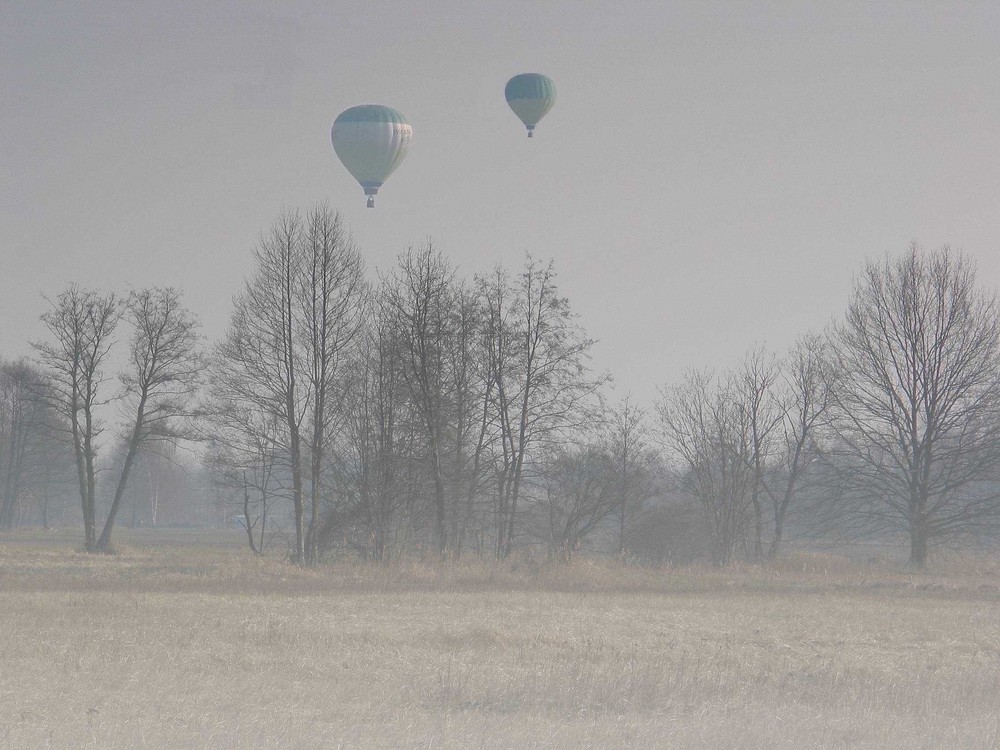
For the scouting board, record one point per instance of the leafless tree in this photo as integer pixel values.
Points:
(331, 295)
(420, 295)
(542, 386)
(36, 459)
(257, 364)
(22, 431)
(579, 490)
(244, 463)
(282, 357)
(918, 395)
(804, 405)
(705, 429)
(628, 442)
(440, 322)
(471, 389)
(50, 464)
(81, 324)
(245, 454)
(753, 386)
(380, 433)
(160, 379)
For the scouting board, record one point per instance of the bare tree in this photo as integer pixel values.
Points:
(918, 395)
(628, 444)
(49, 459)
(82, 324)
(380, 433)
(159, 380)
(257, 364)
(472, 388)
(541, 383)
(417, 410)
(244, 462)
(23, 434)
(804, 405)
(331, 294)
(705, 428)
(420, 294)
(579, 490)
(754, 400)
(245, 457)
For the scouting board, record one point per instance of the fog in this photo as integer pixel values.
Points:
(675, 423)
(711, 177)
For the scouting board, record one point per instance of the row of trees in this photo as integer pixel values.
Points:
(889, 421)
(419, 403)
(425, 411)
(157, 385)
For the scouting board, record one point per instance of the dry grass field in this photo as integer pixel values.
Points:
(183, 640)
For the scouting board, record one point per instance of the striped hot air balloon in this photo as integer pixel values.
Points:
(371, 141)
(531, 96)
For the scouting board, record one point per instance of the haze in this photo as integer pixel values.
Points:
(711, 176)
(413, 513)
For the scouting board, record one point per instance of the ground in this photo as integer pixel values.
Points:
(184, 640)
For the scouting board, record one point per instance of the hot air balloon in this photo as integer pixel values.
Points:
(371, 141)
(530, 95)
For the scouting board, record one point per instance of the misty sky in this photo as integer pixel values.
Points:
(711, 176)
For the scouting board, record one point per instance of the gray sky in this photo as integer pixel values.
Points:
(711, 176)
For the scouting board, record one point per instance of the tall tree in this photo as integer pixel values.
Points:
(420, 294)
(754, 398)
(542, 385)
(82, 325)
(331, 295)
(706, 431)
(380, 432)
(803, 405)
(471, 389)
(159, 380)
(918, 395)
(246, 455)
(258, 362)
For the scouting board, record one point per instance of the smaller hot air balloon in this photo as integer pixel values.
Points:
(531, 96)
(371, 141)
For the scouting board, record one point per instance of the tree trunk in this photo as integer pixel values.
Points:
(80, 468)
(90, 501)
(135, 440)
(296, 457)
(439, 505)
(775, 548)
(246, 516)
(105, 540)
(45, 509)
(315, 469)
(758, 528)
(918, 545)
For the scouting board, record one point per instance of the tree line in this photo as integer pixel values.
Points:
(423, 412)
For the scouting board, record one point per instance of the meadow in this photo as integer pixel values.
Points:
(183, 639)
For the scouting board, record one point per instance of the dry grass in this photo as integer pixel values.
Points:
(182, 641)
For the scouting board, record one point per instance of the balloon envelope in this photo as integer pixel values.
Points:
(531, 96)
(371, 141)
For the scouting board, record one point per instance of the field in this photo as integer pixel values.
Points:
(184, 640)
